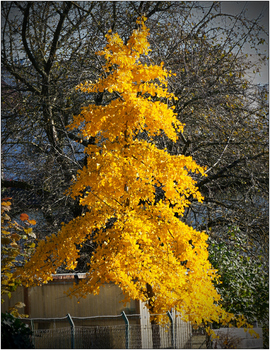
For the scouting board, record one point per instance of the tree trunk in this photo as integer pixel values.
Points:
(154, 324)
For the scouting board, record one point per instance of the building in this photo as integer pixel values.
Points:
(100, 321)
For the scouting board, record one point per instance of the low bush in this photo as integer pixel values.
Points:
(14, 333)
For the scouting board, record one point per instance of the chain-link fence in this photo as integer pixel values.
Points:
(111, 332)
(131, 332)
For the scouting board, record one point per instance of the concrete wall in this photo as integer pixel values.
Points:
(16, 297)
(239, 338)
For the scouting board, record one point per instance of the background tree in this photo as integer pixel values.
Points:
(245, 283)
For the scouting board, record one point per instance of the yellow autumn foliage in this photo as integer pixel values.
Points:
(147, 244)
(16, 247)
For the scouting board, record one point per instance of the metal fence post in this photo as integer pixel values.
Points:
(127, 328)
(33, 333)
(72, 331)
(172, 329)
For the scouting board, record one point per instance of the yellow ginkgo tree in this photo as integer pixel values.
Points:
(146, 250)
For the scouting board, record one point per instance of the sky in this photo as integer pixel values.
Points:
(253, 10)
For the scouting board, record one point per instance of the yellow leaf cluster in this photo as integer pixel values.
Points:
(135, 83)
(16, 247)
(147, 244)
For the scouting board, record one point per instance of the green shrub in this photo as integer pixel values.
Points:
(14, 333)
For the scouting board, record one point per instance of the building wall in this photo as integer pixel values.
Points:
(16, 297)
(49, 300)
(238, 338)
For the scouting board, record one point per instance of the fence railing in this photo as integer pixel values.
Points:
(129, 331)
(112, 332)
